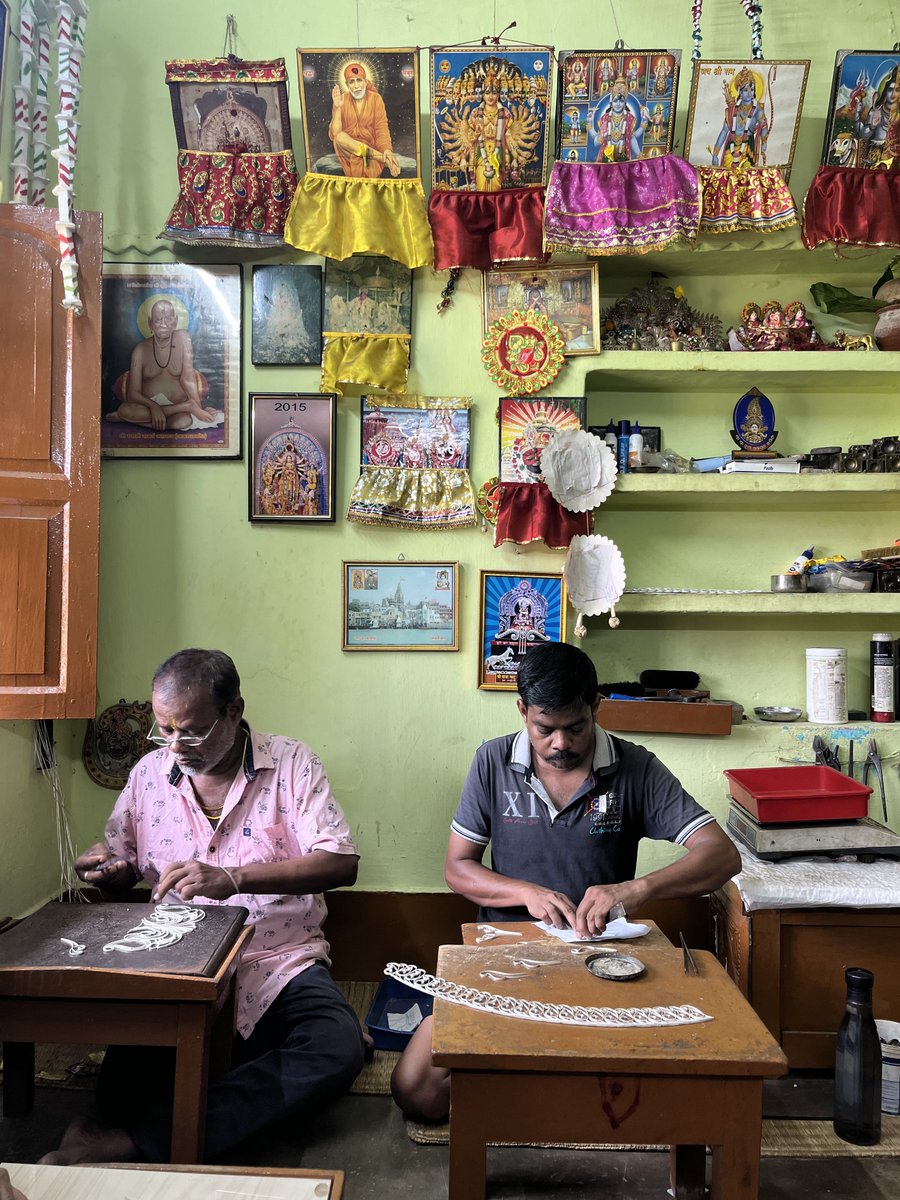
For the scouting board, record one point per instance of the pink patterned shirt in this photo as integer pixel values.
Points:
(279, 807)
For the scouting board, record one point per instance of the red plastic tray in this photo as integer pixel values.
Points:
(792, 795)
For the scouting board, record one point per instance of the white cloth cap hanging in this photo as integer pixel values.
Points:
(594, 572)
(579, 470)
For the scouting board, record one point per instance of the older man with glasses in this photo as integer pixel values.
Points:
(221, 813)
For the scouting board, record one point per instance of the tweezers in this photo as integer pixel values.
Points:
(690, 965)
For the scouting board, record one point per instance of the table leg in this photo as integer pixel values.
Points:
(18, 1078)
(191, 1077)
(468, 1152)
(687, 1172)
(735, 1165)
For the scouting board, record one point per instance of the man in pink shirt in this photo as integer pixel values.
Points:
(222, 814)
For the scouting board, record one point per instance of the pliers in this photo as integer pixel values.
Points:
(872, 760)
(824, 756)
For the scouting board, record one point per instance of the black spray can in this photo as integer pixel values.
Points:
(882, 677)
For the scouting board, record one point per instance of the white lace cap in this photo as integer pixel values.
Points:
(594, 571)
(579, 470)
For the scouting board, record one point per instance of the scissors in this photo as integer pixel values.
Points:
(872, 760)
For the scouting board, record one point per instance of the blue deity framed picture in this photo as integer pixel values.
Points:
(518, 612)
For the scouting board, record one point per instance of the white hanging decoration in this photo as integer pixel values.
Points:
(579, 469)
(594, 572)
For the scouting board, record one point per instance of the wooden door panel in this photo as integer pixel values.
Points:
(23, 600)
(27, 325)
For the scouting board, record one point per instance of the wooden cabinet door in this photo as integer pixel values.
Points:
(49, 469)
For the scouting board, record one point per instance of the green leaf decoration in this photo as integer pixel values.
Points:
(840, 301)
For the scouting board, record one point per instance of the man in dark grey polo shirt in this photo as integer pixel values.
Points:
(564, 806)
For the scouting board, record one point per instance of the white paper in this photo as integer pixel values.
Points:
(620, 928)
(405, 1022)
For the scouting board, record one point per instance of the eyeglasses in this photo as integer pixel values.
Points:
(186, 739)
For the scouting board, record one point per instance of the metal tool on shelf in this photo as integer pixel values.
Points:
(690, 963)
(825, 756)
(873, 760)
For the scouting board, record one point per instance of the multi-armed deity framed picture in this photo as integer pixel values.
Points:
(518, 612)
(400, 606)
(292, 455)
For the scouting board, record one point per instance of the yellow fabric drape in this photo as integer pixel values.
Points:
(337, 217)
(400, 496)
(373, 359)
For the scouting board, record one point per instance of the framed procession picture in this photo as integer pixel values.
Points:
(171, 361)
(489, 117)
(745, 113)
(863, 124)
(292, 456)
(361, 98)
(400, 606)
(569, 296)
(368, 294)
(518, 612)
(526, 429)
(615, 105)
(216, 114)
(395, 435)
(287, 316)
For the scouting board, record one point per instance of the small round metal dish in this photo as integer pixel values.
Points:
(616, 967)
(776, 713)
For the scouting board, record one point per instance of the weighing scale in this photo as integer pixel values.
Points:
(862, 837)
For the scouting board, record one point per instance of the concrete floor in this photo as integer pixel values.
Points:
(364, 1136)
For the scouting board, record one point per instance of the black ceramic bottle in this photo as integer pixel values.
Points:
(857, 1065)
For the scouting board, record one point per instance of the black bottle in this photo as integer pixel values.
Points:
(857, 1065)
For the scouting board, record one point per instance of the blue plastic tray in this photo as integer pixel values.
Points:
(394, 997)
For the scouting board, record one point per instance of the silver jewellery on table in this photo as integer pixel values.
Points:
(75, 948)
(166, 925)
(536, 1010)
(487, 933)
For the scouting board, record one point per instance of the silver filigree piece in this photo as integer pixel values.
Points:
(487, 933)
(75, 948)
(166, 925)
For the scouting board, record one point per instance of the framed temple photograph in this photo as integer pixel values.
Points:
(368, 294)
(171, 361)
(569, 295)
(526, 429)
(862, 128)
(215, 112)
(292, 456)
(518, 612)
(400, 606)
(745, 113)
(287, 316)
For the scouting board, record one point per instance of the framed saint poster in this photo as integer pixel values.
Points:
(400, 606)
(292, 456)
(526, 429)
(863, 124)
(568, 295)
(171, 361)
(615, 105)
(368, 294)
(518, 612)
(745, 113)
(489, 117)
(287, 315)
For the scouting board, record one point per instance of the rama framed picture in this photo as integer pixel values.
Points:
(292, 456)
(400, 606)
(569, 295)
(287, 316)
(171, 361)
(526, 429)
(518, 613)
(861, 129)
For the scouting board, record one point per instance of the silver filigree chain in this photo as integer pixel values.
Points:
(166, 925)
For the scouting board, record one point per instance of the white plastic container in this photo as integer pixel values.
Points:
(826, 685)
(889, 1032)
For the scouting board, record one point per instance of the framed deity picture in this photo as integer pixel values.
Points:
(367, 294)
(400, 606)
(287, 316)
(569, 295)
(171, 361)
(862, 129)
(489, 117)
(4, 41)
(615, 105)
(745, 113)
(368, 98)
(216, 108)
(425, 435)
(518, 612)
(292, 456)
(526, 429)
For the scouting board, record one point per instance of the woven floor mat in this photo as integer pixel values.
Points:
(375, 1077)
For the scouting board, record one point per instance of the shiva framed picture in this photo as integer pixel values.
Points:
(518, 612)
(489, 112)
(569, 295)
(292, 456)
(400, 606)
(745, 113)
(220, 109)
(287, 315)
(526, 429)
(361, 112)
(171, 361)
(366, 293)
(615, 105)
(863, 124)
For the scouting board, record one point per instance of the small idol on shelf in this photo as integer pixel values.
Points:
(774, 328)
(656, 316)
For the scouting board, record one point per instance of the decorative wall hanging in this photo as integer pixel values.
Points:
(568, 295)
(855, 196)
(236, 169)
(594, 572)
(518, 612)
(362, 192)
(400, 606)
(523, 352)
(287, 316)
(415, 464)
(115, 740)
(489, 153)
(171, 371)
(368, 324)
(579, 469)
(292, 456)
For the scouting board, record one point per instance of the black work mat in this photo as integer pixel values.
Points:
(34, 941)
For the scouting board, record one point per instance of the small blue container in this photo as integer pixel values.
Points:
(394, 997)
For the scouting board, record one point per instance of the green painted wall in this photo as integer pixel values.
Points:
(180, 564)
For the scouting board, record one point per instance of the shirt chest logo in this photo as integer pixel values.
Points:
(605, 813)
(520, 807)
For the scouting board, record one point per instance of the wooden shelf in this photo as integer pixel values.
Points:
(733, 492)
(761, 604)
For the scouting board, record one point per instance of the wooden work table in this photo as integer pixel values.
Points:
(687, 1086)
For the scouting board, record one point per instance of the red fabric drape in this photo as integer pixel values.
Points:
(852, 205)
(528, 513)
(482, 229)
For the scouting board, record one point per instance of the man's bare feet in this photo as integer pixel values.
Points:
(89, 1141)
